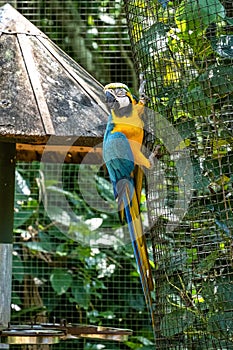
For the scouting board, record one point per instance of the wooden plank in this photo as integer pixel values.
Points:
(73, 110)
(69, 71)
(36, 84)
(19, 115)
(57, 148)
(58, 153)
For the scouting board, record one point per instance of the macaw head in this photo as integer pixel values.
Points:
(119, 98)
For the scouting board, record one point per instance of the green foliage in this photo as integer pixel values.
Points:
(196, 16)
(190, 39)
(74, 280)
(176, 322)
(186, 53)
(61, 280)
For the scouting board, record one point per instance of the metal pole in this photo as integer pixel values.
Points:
(7, 185)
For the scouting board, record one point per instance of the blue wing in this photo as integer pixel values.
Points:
(119, 160)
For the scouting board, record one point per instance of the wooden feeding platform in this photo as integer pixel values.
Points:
(48, 105)
(45, 97)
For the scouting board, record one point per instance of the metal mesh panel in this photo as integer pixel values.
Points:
(184, 49)
(94, 33)
(58, 273)
(61, 269)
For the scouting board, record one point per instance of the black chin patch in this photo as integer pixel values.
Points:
(113, 104)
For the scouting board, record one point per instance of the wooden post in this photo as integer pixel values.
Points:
(7, 185)
(5, 283)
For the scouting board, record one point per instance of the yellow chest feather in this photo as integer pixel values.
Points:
(131, 126)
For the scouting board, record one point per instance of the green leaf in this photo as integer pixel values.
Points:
(109, 315)
(217, 80)
(197, 103)
(79, 231)
(135, 301)
(208, 263)
(229, 20)
(21, 186)
(36, 246)
(80, 295)
(193, 15)
(24, 205)
(59, 215)
(200, 181)
(154, 40)
(15, 299)
(224, 294)
(44, 243)
(221, 323)
(223, 227)
(186, 128)
(105, 188)
(177, 260)
(146, 342)
(176, 322)
(93, 316)
(21, 216)
(61, 280)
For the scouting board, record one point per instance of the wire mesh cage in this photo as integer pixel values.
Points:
(94, 33)
(62, 269)
(184, 49)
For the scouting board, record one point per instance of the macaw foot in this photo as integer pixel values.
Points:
(142, 95)
(154, 155)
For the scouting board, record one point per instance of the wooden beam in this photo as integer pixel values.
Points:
(58, 153)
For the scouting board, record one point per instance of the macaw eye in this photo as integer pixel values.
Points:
(121, 92)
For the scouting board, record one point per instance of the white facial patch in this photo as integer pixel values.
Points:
(123, 101)
(121, 97)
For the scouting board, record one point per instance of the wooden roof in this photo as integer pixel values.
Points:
(45, 97)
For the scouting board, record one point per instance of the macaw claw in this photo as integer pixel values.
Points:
(142, 94)
(154, 155)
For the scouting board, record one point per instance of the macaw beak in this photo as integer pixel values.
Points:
(110, 99)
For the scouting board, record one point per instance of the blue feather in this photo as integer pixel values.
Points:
(117, 155)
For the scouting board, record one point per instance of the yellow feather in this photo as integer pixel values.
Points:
(116, 86)
(140, 238)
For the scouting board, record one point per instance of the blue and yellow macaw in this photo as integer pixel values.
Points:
(125, 162)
